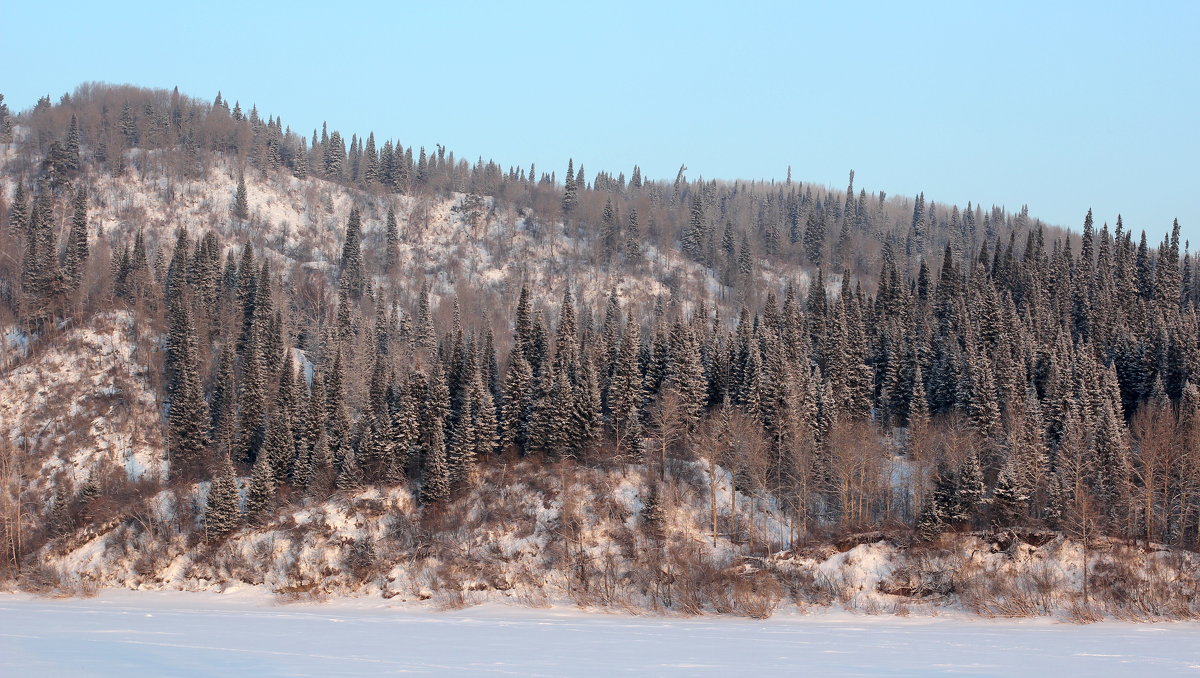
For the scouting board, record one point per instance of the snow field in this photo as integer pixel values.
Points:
(131, 634)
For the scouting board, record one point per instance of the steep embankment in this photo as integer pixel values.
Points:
(605, 539)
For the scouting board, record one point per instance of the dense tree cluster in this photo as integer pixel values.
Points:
(968, 369)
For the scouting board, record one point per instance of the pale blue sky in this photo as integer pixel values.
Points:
(1062, 106)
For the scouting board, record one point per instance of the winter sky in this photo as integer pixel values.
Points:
(1060, 105)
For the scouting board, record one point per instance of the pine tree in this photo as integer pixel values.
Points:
(224, 405)
(482, 410)
(570, 199)
(77, 242)
(626, 393)
(517, 401)
(18, 212)
(260, 497)
(40, 275)
(814, 237)
(1010, 498)
(251, 417)
(350, 473)
(692, 242)
(937, 512)
(5, 121)
(685, 375)
(279, 446)
(71, 159)
(187, 416)
(460, 449)
(321, 463)
(241, 204)
(392, 239)
(633, 237)
(300, 162)
(435, 477)
(969, 496)
(353, 277)
(221, 506)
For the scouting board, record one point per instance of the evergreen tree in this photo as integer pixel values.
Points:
(692, 242)
(252, 413)
(18, 212)
(633, 237)
(814, 237)
(937, 512)
(685, 375)
(435, 477)
(350, 473)
(1010, 498)
(392, 239)
(221, 506)
(77, 242)
(224, 405)
(517, 401)
(187, 416)
(626, 394)
(241, 204)
(969, 495)
(260, 497)
(570, 199)
(5, 121)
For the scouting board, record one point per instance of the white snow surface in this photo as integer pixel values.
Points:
(244, 633)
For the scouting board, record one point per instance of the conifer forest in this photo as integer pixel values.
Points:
(328, 363)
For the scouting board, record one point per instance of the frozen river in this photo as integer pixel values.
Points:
(132, 634)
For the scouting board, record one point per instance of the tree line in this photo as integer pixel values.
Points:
(976, 373)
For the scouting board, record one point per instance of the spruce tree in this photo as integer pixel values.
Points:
(260, 496)
(224, 404)
(77, 242)
(435, 477)
(187, 416)
(633, 237)
(350, 472)
(1011, 498)
(241, 204)
(252, 414)
(353, 274)
(626, 394)
(392, 239)
(221, 506)
(570, 199)
(517, 401)
(969, 496)
(685, 375)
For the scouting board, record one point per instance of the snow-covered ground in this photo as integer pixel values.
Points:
(131, 634)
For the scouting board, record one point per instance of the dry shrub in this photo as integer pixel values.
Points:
(757, 595)
(301, 591)
(361, 559)
(450, 599)
(994, 592)
(449, 586)
(869, 605)
(807, 587)
(1136, 586)
(1079, 612)
(43, 579)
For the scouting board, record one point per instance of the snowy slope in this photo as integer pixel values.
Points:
(83, 402)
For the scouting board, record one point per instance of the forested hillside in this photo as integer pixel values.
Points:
(217, 329)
